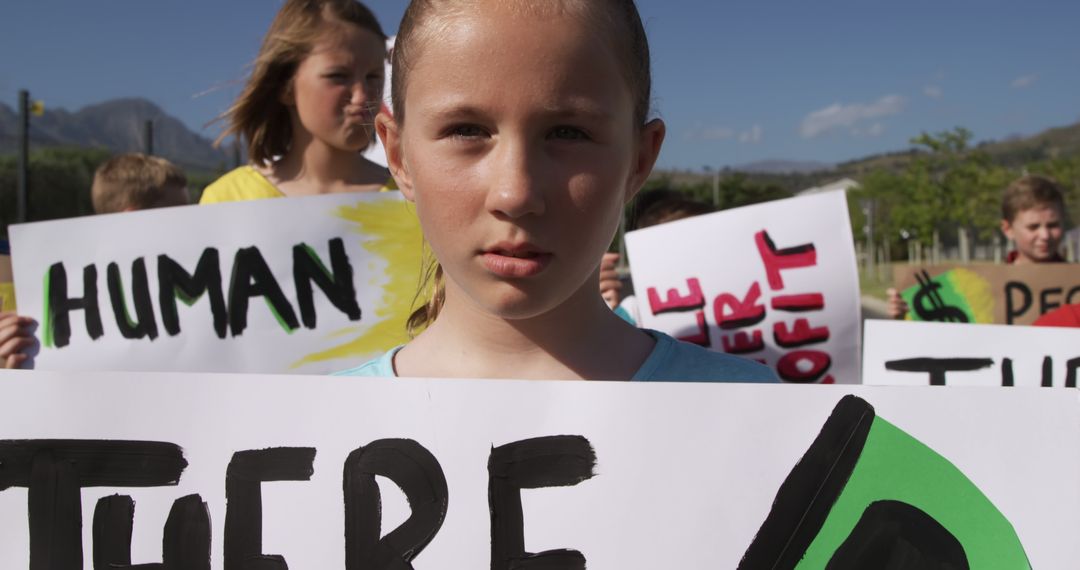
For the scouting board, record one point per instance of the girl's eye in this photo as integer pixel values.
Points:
(568, 133)
(337, 76)
(467, 132)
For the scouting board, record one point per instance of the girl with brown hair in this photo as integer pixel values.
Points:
(308, 108)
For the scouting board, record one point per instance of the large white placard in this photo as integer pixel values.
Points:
(774, 282)
(685, 475)
(905, 353)
(308, 285)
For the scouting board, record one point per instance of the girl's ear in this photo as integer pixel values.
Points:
(647, 151)
(390, 134)
(1006, 228)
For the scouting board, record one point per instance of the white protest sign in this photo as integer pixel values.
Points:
(308, 285)
(628, 475)
(906, 353)
(774, 282)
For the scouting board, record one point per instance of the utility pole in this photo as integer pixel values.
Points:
(148, 137)
(22, 194)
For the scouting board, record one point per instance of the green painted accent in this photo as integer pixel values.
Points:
(47, 312)
(281, 321)
(950, 295)
(318, 261)
(896, 466)
(180, 294)
(123, 301)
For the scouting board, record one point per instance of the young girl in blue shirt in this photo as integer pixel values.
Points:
(520, 130)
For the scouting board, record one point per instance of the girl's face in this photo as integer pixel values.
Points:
(520, 151)
(337, 89)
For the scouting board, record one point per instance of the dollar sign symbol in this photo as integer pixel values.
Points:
(929, 305)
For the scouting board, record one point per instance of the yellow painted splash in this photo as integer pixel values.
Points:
(976, 291)
(393, 234)
(7, 296)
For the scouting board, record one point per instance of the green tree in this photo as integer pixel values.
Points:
(59, 184)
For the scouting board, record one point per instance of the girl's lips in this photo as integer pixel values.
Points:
(513, 264)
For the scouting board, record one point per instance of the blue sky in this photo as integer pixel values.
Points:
(736, 81)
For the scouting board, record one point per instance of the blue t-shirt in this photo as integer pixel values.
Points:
(670, 361)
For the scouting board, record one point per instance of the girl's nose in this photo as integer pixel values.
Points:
(515, 184)
(359, 94)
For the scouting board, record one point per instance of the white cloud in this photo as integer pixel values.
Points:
(932, 91)
(1025, 81)
(838, 116)
(702, 133)
(755, 135)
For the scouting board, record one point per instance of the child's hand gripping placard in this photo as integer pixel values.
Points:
(773, 282)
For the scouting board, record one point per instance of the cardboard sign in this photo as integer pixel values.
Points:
(309, 285)
(210, 471)
(774, 282)
(920, 354)
(982, 293)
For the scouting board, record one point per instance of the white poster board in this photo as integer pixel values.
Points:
(774, 282)
(906, 353)
(304, 285)
(680, 475)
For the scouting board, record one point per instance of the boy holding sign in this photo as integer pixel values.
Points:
(1032, 216)
(124, 183)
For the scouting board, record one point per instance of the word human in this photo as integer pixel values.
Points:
(55, 471)
(250, 277)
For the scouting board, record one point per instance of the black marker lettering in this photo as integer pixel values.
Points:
(1011, 308)
(251, 277)
(937, 367)
(1007, 372)
(114, 519)
(1045, 304)
(339, 288)
(145, 323)
(1048, 372)
(807, 495)
(1071, 367)
(54, 471)
(416, 471)
(556, 461)
(60, 305)
(1073, 296)
(243, 493)
(186, 545)
(186, 542)
(174, 280)
(893, 534)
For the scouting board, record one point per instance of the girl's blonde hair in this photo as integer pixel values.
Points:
(424, 20)
(258, 115)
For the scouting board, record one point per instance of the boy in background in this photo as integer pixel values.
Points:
(124, 183)
(1032, 216)
(131, 182)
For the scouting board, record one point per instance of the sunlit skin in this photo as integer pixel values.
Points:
(1037, 233)
(333, 98)
(520, 150)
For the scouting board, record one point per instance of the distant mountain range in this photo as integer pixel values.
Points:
(782, 166)
(117, 125)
